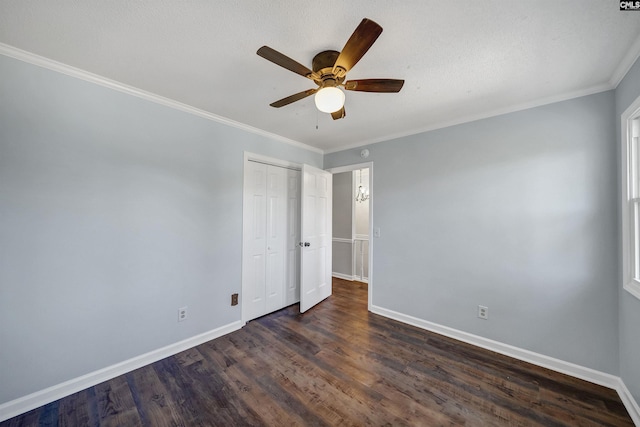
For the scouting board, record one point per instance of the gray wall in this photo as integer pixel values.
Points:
(342, 223)
(114, 212)
(342, 203)
(626, 93)
(516, 212)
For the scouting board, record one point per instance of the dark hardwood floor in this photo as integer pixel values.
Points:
(337, 364)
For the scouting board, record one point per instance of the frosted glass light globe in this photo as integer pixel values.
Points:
(329, 99)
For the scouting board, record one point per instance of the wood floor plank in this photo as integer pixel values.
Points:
(267, 365)
(116, 406)
(336, 364)
(30, 418)
(591, 412)
(169, 374)
(215, 388)
(325, 370)
(154, 403)
(77, 410)
(254, 397)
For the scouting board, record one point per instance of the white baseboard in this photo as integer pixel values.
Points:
(50, 394)
(350, 278)
(342, 276)
(584, 373)
(629, 402)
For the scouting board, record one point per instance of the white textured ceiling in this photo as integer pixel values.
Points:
(459, 60)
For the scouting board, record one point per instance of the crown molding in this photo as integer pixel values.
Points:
(480, 116)
(625, 65)
(59, 67)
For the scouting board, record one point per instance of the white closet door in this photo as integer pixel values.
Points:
(266, 240)
(293, 237)
(276, 238)
(271, 232)
(254, 236)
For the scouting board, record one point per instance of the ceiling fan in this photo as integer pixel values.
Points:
(330, 69)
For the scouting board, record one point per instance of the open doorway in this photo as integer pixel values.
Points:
(352, 224)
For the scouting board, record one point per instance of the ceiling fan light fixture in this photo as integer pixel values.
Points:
(329, 99)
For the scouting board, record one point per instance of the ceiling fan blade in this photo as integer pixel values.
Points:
(374, 85)
(293, 98)
(285, 62)
(340, 114)
(358, 44)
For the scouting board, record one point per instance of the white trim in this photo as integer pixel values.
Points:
(568, 368)
(362, 237)
(350, 168)
(625, 65)
(78, 73)
(352, 206)
(633, 288)
(350, 278)
(479, 116)
(629, 284)
(342, 240)
(53, 393)
(248, 156)
(342, 276)
(629, 402)
(587, 374)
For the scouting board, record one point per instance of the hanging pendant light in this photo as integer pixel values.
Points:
(363, 192)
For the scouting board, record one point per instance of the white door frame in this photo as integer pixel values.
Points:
(350, 168)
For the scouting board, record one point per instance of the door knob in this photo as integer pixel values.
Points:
(305, 244)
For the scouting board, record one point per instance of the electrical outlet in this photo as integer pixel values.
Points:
(234, 299)
(182, 314)
(483, 312)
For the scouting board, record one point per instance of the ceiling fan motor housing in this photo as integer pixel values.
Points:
(322, 65)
